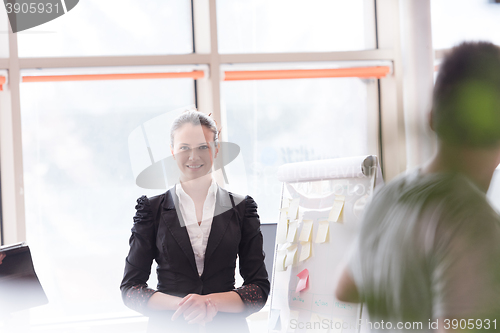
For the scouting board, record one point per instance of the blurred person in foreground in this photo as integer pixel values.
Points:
(429, 245)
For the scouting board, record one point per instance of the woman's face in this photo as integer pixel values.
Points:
(194, 150)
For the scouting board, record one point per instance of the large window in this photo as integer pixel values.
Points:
(113, 27)
(295, 26)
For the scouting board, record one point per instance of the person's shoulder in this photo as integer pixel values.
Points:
(463, 207)
(393, 189)
(415, 185)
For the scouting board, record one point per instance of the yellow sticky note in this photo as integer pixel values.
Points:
(292, 231)
(283, 212)
(305, 251)
(280, 260)
(282, 228)
(305, 234)
(323, 232)
(293, 210)
(291, 255)
(319, 324)
(336, 210)
(285, 203)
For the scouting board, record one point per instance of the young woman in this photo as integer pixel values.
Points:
(195, 231)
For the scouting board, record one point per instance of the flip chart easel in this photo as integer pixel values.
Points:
(322, 203)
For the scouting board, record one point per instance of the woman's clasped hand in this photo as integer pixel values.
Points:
(196, 309)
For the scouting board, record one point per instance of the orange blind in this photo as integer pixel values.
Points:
(2, 82)
(361, 72)
(99, 77)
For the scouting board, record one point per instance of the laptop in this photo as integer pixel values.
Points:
(19, 286)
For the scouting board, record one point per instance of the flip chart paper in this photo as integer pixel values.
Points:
(305, 234)
(290, 256)
(293, 210)
(292, 231)
(303, 280)
(336, 210)
(323, 232)
(280, 260)
(282, 229)
(305, 251)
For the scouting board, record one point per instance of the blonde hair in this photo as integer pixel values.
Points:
(195, 118)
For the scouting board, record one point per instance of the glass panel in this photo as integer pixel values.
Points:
(454, 21)
(260, 26)
(79, 188)
(113, 27)
(283, 121)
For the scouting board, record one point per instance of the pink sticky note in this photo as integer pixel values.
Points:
(304, 278)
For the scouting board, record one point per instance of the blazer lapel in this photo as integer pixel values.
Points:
(223, 214)
(173, 221)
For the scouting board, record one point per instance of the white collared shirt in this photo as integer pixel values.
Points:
(198, 234)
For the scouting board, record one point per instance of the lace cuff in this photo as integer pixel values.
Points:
(252, 296)
(137, 298)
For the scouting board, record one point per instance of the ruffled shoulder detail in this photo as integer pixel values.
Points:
(143, 208)
(251, 207)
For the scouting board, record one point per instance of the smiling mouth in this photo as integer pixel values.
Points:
(194, 166)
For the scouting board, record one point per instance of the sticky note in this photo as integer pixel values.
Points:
(293, 210)
(285, 203)
(323, 232)
(337, 207)
(280, 260)
(305, 234)
(305, 251)
(292, 231)
(317, 324)
(274, 322)
(294, 318)
(303, 280)
(282, 229)
(291, 255)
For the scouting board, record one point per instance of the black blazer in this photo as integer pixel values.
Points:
(159, 233)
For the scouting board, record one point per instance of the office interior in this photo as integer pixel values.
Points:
(286, 80)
